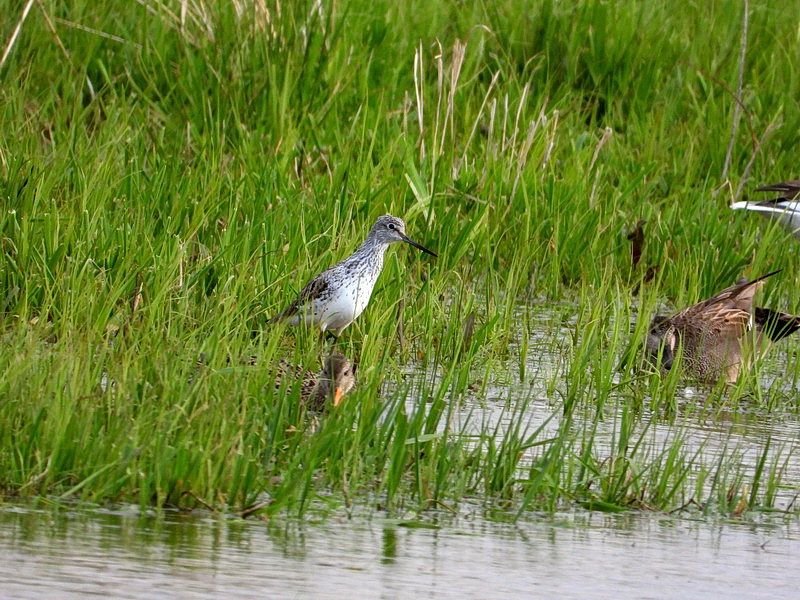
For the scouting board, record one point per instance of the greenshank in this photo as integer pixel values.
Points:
(338, 376)
(712, 335)
(785, 208)
(335, 297)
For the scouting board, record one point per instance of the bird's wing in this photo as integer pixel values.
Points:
(313, 289)
(718, 322)
(789, 190)
(738, 296)
(287, 375)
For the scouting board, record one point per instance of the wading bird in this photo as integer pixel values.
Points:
(335, 297)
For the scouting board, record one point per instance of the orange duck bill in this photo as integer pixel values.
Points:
(337, 395)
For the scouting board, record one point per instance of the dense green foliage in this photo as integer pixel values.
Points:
(171, 173)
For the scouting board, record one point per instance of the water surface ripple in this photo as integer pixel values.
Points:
(79, 554)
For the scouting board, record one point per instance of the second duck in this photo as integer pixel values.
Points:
(714, 335)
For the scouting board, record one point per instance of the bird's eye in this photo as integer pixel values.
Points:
(391, 226)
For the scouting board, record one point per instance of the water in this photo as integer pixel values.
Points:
(117, 554)
(706, 435)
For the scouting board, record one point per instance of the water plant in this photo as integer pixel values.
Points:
(169, 172)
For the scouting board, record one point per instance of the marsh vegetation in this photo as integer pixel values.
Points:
(171, 173)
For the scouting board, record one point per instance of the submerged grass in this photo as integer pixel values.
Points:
(171, 174)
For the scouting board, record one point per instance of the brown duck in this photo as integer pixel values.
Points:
(713, 334)
(338, 376)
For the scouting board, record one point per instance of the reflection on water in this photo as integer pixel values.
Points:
(75, 554)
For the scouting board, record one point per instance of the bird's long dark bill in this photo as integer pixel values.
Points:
(416, 245)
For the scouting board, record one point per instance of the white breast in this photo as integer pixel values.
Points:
(350, 300)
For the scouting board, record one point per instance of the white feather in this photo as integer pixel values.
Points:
(786, 212)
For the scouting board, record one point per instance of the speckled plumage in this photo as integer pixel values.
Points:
(337, 378)
(338, 295)
(712, 334)
(784, 208)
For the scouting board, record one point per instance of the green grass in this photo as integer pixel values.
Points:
(209, 164)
